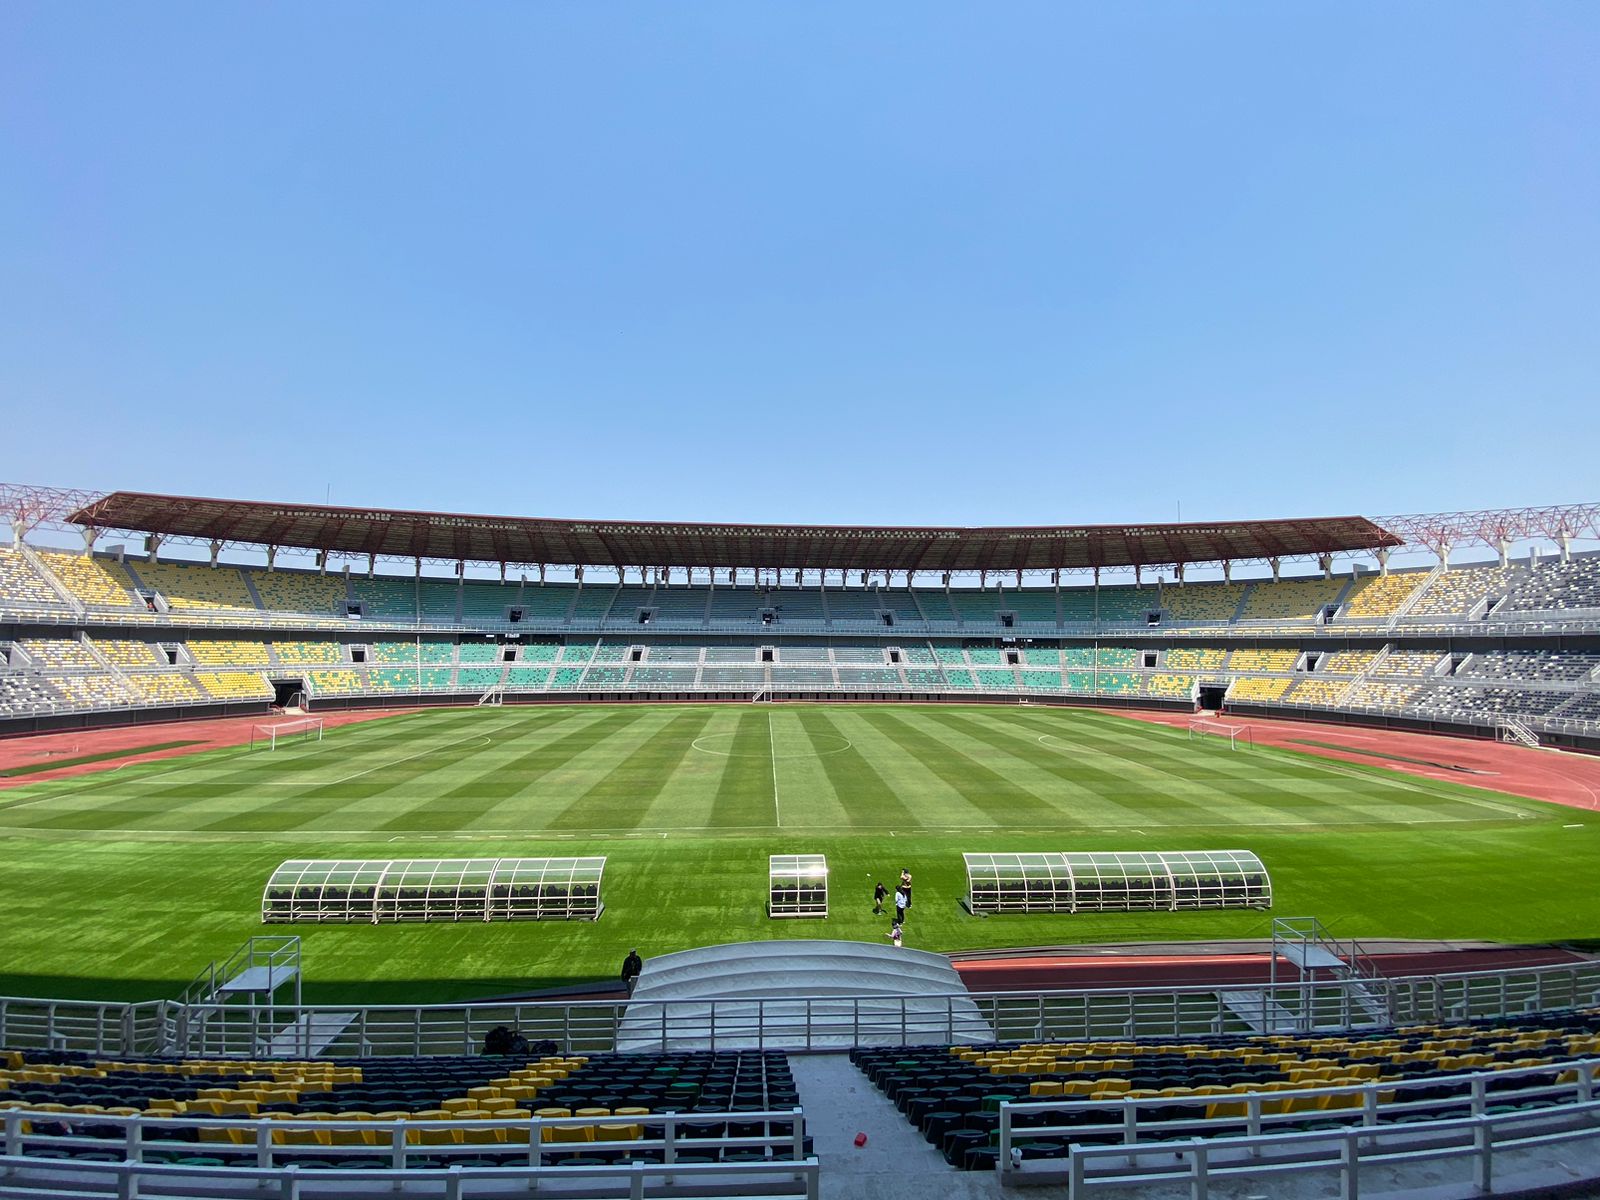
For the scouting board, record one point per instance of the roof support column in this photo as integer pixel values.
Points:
(152, 549)
(1564, 540)
(89, 535)
(1178, 571)
(1325, 561)
(417, 565)
(1227, 570)
(216, 550)
(1505, 552)
(322, 562)
(1277, 568)
(272, 558)
(1383, 560)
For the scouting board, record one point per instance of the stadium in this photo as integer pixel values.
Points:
(303, 803)
(829, 601)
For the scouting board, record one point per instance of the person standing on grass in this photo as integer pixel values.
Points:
(902, 901)
(878, 894)
(631, 966)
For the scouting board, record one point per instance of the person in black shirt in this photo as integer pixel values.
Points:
(631, 966)
(878, 893)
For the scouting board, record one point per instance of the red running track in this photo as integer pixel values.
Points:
(208, 734)
(1558, 776)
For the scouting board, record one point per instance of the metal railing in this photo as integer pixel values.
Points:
(800, 1023)
(778, 1135)
(1145, 1121)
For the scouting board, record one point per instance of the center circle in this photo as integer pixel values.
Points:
(727, 738)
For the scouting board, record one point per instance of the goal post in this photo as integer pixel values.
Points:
(1236, 735)
(281, 733)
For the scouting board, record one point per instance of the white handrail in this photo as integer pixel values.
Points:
(1371, 1101)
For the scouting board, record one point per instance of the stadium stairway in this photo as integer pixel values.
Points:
(896, 1161)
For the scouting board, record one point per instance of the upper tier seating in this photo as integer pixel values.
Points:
(385, 599)
(199, 588)
(687, 606)
(479, 652)
(1375, 596)
(1029, 606)
(485, 603)
(427, 651)
(98, 582)
(1291, 599)
(545, 604)
(23, 587)
(1557, 586)
(1201, 603)
(1457, 591)
(440, 601)
(591, 603)
(1127, 604)
(301, 592)
(1115, 656)
(977, 607)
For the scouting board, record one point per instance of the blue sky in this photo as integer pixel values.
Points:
(838, 262)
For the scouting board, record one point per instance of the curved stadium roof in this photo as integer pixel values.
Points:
(532, 540)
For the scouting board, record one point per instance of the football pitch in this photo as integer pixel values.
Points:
(125, 883)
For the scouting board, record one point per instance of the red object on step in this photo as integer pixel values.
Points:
(861, 1140)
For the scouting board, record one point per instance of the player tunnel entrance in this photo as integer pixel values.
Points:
(289, 693)
(1211, 695)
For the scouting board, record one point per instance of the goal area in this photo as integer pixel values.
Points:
(285, 733)
(1235, 735)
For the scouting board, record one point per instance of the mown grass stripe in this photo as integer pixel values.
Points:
(744, 791)
(1001, 798)
(621, 798)
(864, 794)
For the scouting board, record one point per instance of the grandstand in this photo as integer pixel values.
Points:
(430, 637)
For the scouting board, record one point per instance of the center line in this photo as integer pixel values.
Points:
(772, 749)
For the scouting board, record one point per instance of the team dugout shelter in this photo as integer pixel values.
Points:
(1116, 881)
(375, 891)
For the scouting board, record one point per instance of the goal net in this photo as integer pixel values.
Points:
(1236, 735)
(285, 733)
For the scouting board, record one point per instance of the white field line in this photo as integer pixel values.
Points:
(772, 749)
(264, 836)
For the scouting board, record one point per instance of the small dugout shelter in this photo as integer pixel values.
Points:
(1116, 881)
(376, 891)
(797, 885)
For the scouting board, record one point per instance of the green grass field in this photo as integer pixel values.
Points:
(124, 884)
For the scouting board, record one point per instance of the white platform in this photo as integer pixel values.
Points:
(799, 995)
